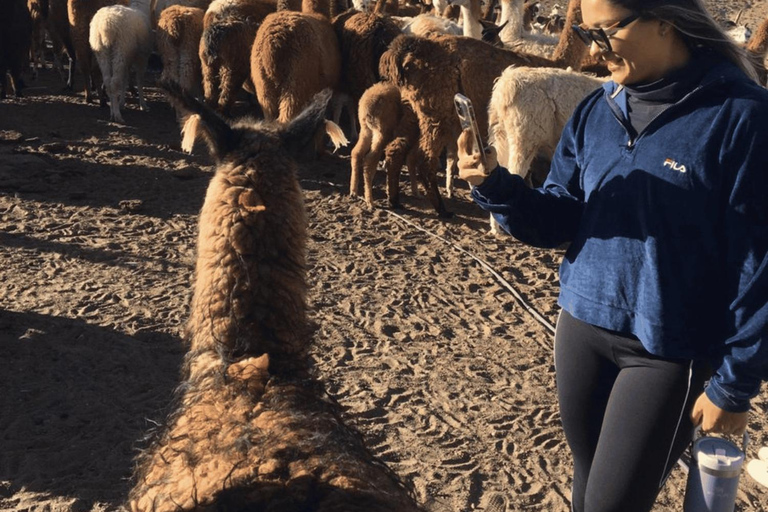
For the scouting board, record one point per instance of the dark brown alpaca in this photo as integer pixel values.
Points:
(229, 28)
(253, 430)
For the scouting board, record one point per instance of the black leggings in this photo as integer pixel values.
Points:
(626, 415)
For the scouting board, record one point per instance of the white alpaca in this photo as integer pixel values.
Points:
(527, 112)
(471, 13)
(425, 25)
(121, 39)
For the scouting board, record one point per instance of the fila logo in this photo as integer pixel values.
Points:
(674, 165)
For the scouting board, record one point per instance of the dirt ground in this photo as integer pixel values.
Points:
(433, 335)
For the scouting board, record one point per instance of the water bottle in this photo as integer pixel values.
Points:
(713, 477)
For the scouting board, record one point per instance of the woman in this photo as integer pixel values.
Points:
(659, 185)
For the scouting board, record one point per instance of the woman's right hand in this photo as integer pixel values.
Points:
(471, 166)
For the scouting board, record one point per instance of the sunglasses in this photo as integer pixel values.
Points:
(602, 37)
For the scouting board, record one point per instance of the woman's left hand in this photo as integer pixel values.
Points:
(716, 420)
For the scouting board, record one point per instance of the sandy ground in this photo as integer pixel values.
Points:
(422, 336)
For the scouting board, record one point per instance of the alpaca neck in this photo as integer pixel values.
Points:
(316, 7)
(570, 50)
(512, 15)
(471, 15)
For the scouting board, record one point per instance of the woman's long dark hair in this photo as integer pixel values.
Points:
(696, 26)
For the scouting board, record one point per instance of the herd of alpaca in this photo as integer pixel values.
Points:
(252, 428)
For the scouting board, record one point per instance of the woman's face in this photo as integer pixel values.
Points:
(642, 51)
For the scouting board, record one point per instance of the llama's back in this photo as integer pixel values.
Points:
(294, 56)
(117, 28)
(178, 37)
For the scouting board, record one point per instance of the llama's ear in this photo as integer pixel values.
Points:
(302, 130)
(216, 131)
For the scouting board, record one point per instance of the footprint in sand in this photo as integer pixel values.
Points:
(494, 502)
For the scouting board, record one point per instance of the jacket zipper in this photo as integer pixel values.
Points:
(632, 142)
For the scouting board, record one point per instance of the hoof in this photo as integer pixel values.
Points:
(445, 214)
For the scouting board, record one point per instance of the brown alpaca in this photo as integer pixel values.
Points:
(363, 39)
(229, 28)
(80, 13)
(57, 26)
(389, 128)
(253, 430)
(178, 34)
(38, 11)
(757, 47)
(294, 56)
(429, 72)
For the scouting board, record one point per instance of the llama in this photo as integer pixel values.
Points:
(466, 65)
(294, 56)
(363, 38)
(80, 13)
(158, 6)
(757, 47)
(38, 11)
(15, 35)
(514, 37)
(471, 14)
(58, 29)
(528, 110)
(388, 127)
(425, 25)
(229, 28)
(179, 30)
(253, 429)
(121, 39)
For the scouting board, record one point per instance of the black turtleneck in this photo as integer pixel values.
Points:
(645, 101)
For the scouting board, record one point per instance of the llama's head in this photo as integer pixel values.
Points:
(411, 59)
(230, 140)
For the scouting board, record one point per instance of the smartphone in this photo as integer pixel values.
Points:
(468, 121)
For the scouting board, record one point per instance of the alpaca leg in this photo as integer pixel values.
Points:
(105, 64)
(371, 163)
(228, 89)
(140, 70)
(393, 161)
(429, 162)
(411, 163)
(450, 169)
(361, 149)
(116, 92)
(211, 84)
(352, 117)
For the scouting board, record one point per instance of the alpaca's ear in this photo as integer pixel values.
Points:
(300, 133)
(203, 121)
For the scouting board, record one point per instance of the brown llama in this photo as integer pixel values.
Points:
(389, 128)
(58, 29)
(229, 27)
(80, 13)
(294, 56)
(757, 48)
(253, 430)
(179, 30)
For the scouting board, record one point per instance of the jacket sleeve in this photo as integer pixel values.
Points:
(543, 217)
(743, 359)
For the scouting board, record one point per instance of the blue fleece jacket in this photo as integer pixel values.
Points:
(668, 231)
